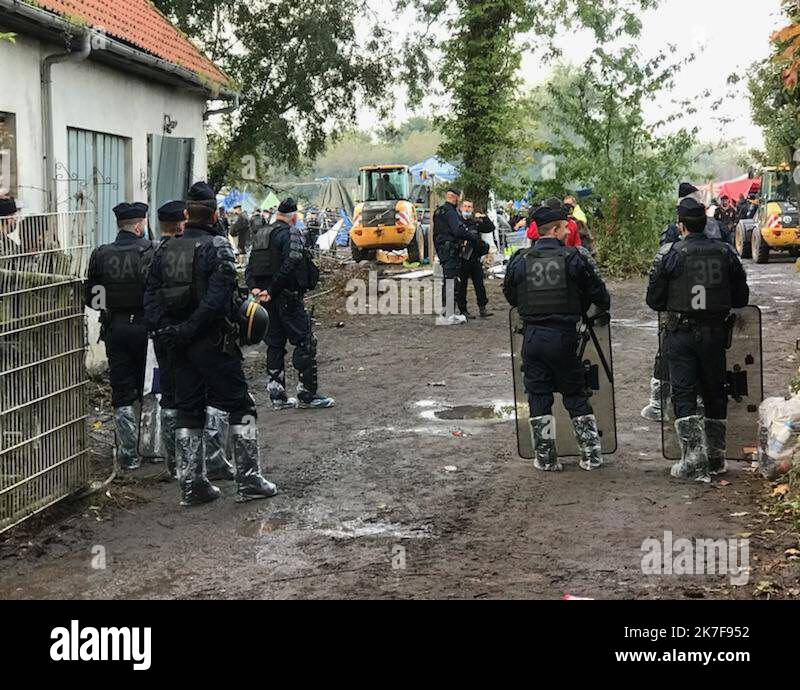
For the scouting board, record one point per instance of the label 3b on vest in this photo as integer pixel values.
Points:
(102, 644)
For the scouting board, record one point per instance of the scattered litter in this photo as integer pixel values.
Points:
(778, 435)
(437, 384)
(724, 482)
(340, 324)
(450, 468)
(572, 597)
(781, 490)
(742, 514)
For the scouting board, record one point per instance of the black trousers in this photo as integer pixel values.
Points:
(166, 374)
(697, 363)
(551, 365)
(126, 349)
(205, 375)
(451, 271)
(471, 270)
(289, 321)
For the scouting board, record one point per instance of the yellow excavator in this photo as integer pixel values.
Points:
(384, 217)
(776, 225)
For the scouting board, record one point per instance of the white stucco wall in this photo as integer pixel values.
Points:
(90, 96)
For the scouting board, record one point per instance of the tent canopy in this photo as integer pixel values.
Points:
(733, 188)
(434, 167)
(335, 196)
(247, 200)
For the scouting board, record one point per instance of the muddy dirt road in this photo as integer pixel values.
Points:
(380, 498)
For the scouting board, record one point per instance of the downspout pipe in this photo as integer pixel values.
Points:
(48, 155)
(234, 97)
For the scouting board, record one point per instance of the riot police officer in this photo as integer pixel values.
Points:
(714, 230)
(472, 253)
(171, 222)
(279, 273)
(191, 299)
(449, 234)
(697, 281)
(552, 287)
(115, 286)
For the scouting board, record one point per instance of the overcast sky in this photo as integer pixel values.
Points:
(732, 33)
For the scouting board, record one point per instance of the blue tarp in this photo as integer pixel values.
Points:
(434, 166)
(238, 198)
(343, 236)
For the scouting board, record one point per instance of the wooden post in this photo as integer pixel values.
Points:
(433, 203)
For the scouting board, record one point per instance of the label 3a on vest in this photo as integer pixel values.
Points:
(102, 644)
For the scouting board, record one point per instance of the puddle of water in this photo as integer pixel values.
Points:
(636, 323)
(501, 411)
(358, 528)
(259, 527)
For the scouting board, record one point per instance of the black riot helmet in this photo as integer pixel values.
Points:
(253, 322)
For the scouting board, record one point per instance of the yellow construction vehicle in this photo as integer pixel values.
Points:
(384, 217)
(776, 225)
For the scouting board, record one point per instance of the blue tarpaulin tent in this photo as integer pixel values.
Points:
(433, 166)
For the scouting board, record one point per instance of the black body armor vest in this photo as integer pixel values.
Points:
(548, 288)
(182, 288)
(123, 271)
(703, 284)
(265, 257)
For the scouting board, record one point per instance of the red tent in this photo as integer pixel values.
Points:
(734, 188)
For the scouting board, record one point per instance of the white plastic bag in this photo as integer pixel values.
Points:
(778, 435)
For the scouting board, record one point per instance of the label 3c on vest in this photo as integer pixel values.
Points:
(102, 644)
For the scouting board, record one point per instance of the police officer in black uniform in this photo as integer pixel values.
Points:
(115, 286)
(697, 281)
(552, 287)
(472, 253)
(449, 235)
(192, 300)
(714, 230)
(171, 222)
(279, 273)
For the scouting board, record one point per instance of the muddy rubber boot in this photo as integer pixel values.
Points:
(215, 445)
(716, 438)
(588, 438)
(195, 487)
(544, 445)
(250, 483)
(652, 413)
(694, 456)
(169, 420)
(276, 387)
(127, 437)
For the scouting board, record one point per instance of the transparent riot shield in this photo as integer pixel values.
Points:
(595, 355)
(744, 382)
(150, 417)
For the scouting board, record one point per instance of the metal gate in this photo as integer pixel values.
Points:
(43, 448)
(169, 163)
(97, 172)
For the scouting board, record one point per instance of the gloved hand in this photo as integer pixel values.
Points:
(174, 336)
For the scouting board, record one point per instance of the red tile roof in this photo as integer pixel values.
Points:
(140, 24)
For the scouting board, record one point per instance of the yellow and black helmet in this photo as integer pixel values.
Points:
(253, 322)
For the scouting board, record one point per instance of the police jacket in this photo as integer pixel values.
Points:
(448, 230)
(714, 230)
(192, 282)
(552, 285)
(278, 261)
(476, 227)
(699, 277)
(120, 269)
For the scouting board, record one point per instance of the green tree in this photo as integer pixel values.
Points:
(479, 70)
(299, 68)
(600, 139)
